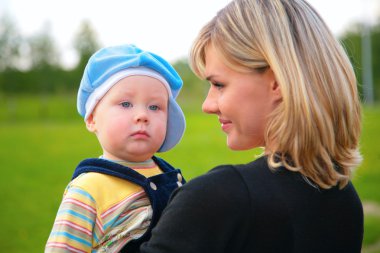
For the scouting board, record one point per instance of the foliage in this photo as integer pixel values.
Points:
(32, 65)
(10, 43)
(85, 44)
(352, 42)
(42, 50)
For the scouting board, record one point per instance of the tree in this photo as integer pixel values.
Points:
(10, 43)
(194, 89)
(376, 60)
(85, 43)
(42, 50)
(352, 42)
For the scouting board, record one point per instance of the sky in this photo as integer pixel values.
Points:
(166, 27)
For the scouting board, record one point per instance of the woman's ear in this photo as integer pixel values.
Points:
(276, 91)
(275, 88)
(90, 123)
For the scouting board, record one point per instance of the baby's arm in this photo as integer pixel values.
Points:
(74, 224)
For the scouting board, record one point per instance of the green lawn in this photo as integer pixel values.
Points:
(40, 149)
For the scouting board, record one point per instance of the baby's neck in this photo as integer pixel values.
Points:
(134, 165)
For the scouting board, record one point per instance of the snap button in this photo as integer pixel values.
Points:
(153, 186)
(179, 177)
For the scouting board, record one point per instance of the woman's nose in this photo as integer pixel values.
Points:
(210, 104)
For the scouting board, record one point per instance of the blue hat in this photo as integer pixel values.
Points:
(109, 65)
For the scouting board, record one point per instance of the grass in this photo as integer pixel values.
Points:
(372, 225)
(367, 177)
(40, 147)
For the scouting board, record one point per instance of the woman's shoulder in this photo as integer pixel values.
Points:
(255, 168)
(226, 180)
(226, 172)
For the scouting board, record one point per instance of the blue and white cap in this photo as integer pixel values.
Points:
(111, 64)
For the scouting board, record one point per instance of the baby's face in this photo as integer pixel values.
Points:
(130, 120)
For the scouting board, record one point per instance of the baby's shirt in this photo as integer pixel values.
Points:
(102, 213)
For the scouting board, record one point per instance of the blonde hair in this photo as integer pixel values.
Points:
(316, 128)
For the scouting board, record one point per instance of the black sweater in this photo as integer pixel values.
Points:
(249, 208)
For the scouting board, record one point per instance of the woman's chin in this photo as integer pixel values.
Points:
(237, 147)
(241, 146)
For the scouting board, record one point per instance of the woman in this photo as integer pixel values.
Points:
(281, 81)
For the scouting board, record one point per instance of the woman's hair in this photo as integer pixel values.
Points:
(316, 128)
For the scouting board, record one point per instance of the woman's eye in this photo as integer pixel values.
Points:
(218, 85)
(126, 104)
(153, 107)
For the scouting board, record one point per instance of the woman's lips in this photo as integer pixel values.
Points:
(225, 124)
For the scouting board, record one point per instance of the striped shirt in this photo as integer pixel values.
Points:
(102, 213)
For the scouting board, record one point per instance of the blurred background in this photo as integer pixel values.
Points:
(44, 46)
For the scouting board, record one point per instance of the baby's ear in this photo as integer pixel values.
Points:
(90, 123)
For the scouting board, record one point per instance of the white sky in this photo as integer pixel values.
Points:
(166, 27)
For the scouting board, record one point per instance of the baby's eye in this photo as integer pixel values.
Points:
(126, 104)
(154, 107)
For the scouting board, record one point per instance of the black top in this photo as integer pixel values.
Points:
(249, 208)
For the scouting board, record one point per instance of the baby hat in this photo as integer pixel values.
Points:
(109, 65)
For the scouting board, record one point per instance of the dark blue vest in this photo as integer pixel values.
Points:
(158, 188)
